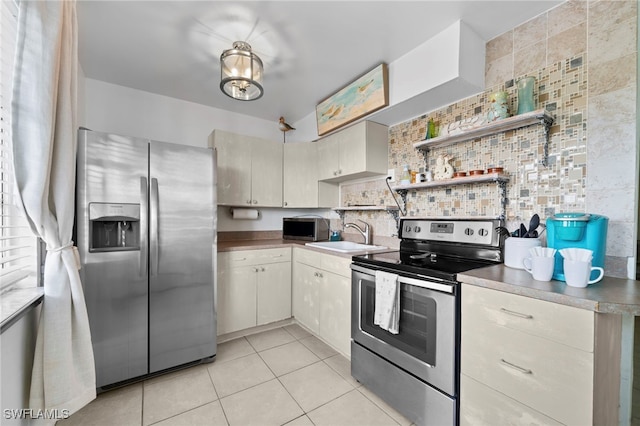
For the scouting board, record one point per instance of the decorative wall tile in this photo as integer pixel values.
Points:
(566, 15)
(612, 137)
(499, 47)
(499, 70)
(532, 57)
(612, 29)
(531, 32)
(568, 43)
(612, 75)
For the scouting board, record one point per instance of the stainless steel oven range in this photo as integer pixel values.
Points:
(417, 370)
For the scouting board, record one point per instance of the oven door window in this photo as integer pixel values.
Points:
(417, 331)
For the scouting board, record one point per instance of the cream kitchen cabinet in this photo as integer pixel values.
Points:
(322, 296)
(249, 170)
(254, 288)
(301, 186)
(528, 361)
(356, 152)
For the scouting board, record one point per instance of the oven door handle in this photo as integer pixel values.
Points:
(426, 283)
(447, 288)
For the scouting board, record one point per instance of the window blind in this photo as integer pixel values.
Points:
(19, 258)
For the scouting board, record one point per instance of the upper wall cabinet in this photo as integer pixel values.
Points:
(356, 152)
(249, 170)
(301, 186)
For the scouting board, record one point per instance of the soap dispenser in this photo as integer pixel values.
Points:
(405, 179)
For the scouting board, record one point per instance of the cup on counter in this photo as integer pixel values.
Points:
(578, 272)
(540, 267)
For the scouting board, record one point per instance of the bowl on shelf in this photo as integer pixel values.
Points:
(459, 174)
(495, 170)
(476, 172)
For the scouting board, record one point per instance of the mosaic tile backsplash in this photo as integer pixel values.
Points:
(561, 89)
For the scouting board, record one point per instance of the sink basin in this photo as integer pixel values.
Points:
(347, 246)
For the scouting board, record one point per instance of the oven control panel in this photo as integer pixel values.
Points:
(455, 231)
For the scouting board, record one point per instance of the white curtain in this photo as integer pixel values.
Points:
(44, 152)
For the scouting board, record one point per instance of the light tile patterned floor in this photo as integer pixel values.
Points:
(277, 377)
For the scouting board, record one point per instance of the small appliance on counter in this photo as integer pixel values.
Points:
(577, 230)
(305, 228)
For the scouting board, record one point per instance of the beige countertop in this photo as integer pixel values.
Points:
(611, 295)
(224, 246)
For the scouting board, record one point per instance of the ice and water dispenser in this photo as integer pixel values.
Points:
(114, 227)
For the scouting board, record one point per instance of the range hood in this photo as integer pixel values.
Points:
(445, 69)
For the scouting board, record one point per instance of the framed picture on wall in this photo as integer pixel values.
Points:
(364, 95)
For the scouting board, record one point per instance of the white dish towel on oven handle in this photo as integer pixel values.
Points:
(387, 306)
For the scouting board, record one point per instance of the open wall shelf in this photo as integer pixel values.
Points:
(540, 116)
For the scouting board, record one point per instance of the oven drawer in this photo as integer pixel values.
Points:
(550, 377)
(483, 406)
(564, 324)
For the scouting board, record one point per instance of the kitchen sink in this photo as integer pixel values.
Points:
(347, 247)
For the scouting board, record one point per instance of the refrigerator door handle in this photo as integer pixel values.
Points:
(144, 203)
(153, 229)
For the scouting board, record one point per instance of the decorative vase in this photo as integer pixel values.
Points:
(525, 95)
(498, 107)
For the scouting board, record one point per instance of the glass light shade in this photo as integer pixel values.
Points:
(241, 73)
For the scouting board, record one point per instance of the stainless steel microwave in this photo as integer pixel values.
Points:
(305, 228)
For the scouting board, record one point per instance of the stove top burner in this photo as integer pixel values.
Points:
(440, 248)
(426, 264)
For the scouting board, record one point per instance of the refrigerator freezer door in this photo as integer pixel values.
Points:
(112, 174)
(182, 325)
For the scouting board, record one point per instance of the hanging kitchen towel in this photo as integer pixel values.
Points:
(387, 307)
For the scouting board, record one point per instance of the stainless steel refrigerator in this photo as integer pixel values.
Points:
(146, 233)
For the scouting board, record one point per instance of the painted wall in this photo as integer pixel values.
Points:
(17, 347)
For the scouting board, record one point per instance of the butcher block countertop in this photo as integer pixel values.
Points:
(611, 295)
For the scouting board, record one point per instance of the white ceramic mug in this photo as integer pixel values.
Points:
(577, 273)
(541, 267)
(517, 249)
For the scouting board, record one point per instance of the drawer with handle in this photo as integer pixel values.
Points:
(550, 377)
(253, 257)
(484, 406)
(564, 324)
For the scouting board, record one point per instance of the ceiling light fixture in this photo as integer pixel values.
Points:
(241, 73)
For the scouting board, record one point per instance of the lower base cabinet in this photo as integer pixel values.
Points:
(254, 288)
(322, 296)
(527, 361)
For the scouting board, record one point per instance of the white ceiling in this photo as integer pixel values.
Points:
(310, 49)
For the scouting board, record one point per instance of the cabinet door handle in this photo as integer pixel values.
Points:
(516, 367)
(516, 314)
(262, 269)
(285, 203)
(248, 201)
(255, 201)
(256, 269)
(275, 257)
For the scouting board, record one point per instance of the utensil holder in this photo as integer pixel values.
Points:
(517, 249)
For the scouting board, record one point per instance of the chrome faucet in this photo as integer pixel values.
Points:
(366, 232)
